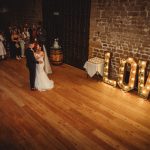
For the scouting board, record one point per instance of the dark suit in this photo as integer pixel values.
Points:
(31, 64)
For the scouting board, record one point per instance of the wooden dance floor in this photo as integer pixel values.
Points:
(78, 114)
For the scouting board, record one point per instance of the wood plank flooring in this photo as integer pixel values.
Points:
(78, 114)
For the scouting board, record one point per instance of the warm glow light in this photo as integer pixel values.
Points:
(148, 87)
(120, 82)
(143, 84)
(130, 85)
(132, 79)
(106, 68)
(134, 72)
(143, 89)
(143, 63)
(126, 87)
(129, 59)
(106, 79)
(121, 75)
(108, 54)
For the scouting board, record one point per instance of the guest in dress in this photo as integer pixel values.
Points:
(33, 33)
(26, 37)
(16, 45)
(22, 44)
(2, 48)
(8, 33)
(41, 35)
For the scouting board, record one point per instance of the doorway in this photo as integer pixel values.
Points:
(69, 21)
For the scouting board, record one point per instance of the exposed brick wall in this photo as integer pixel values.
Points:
(121, 27)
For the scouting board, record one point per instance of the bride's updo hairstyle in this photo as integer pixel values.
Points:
(36, 46)
(40, 45)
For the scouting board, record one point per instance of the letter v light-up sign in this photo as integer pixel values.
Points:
(143, 88)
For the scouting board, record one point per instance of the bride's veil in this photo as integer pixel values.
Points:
(47, 66)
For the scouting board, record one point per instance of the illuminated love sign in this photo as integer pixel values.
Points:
(143, 84)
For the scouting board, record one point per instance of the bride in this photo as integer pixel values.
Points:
(42, 81)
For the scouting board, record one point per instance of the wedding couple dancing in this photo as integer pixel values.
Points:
(39, 67)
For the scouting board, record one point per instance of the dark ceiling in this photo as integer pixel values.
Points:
(11, 5)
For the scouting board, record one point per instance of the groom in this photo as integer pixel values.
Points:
(31, 63)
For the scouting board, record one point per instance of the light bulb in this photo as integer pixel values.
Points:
(108, 54)
(126, 87)
(143, 63)
(121, 75)
(141, 85)
(120, 82)
(135, 64)
(143, 91)
(132, 85)
(130, 59)
(132, 79)
(133, 71)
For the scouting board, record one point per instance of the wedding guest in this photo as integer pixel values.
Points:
(16, 44)
(2, 48)
(22, 44)
(32, 31)
(8, 33)
(26, 36)
(41, 34)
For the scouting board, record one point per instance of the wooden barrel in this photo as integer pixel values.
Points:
(56, 57)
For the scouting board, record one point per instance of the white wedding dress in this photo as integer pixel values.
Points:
(42, 82)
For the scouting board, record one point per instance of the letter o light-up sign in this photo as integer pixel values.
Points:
(131, 84)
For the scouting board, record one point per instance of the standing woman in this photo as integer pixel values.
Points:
(2, 48)
(22, 44)
(26, 36)
(42, 82)
(16, 44)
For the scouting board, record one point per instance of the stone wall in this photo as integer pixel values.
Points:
(121, 27)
